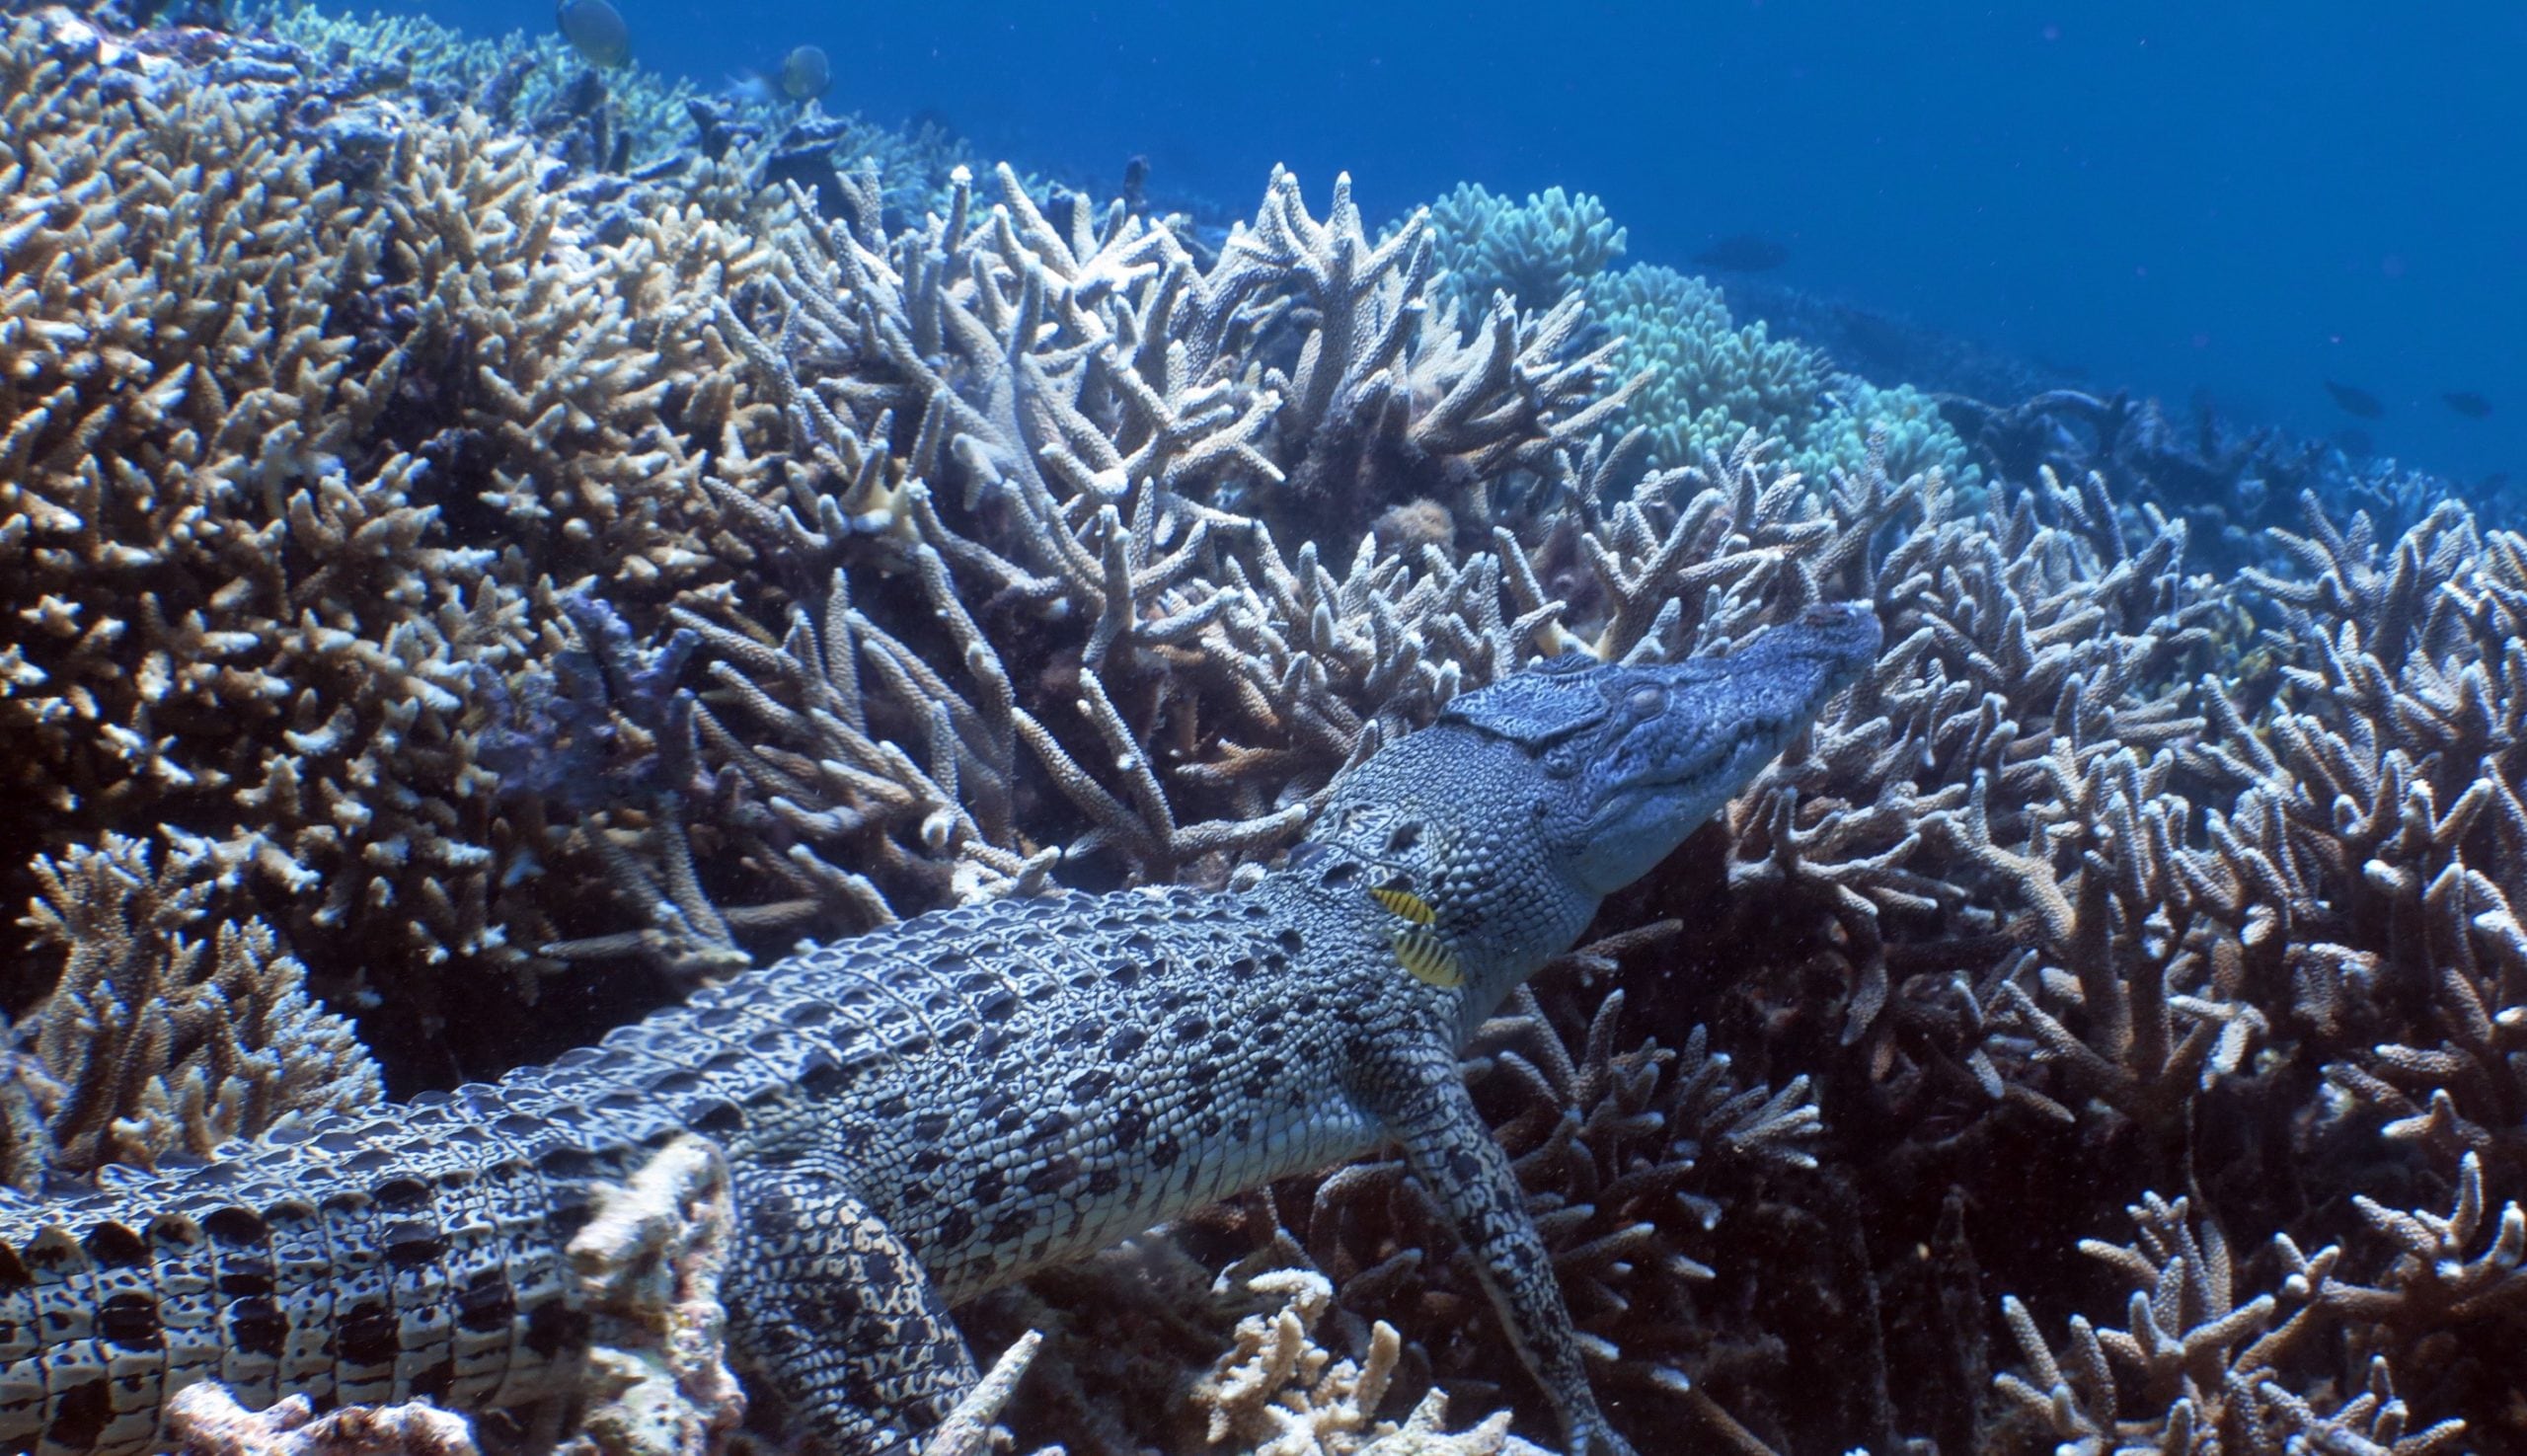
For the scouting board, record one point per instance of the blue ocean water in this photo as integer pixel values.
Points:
(2223, 202)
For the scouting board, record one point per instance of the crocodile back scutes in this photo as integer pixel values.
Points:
(1080, 1064)
(351, 1260)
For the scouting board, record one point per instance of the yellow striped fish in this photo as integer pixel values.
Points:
(1421, 948)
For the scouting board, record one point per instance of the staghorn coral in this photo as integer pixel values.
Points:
(514, 78)
(1036, 437)
(1627, 1157)
(1934, 886)
(1294, 1372)
(2384, 830)
(259, 440)
(2233, 487)
(624, 120)
(354, 499)
(156, 1039)
(2199, 1369)
(1279, 1393)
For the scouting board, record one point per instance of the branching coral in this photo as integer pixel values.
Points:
(627, 119)
(157, 1039)
(2386, 829)
(1281, 1394)
(260, 436)
(1623, 1155)
(2196, 1369)
(1538, 252)
(429, 536)
(1707, 381)
(1040, 431)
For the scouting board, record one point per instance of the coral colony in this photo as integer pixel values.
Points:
(489, 546)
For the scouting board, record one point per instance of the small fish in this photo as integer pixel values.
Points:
(1742, 253)
(1422, 948)
(2468, 403)
(1428, 958)
(805, 74)
(1406, 903)
(595, 29)
(2357, 403)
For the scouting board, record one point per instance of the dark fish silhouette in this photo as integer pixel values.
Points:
(2357, 403)
(805, 74)
(1742, 253)
(2468, 403)
(595, 29)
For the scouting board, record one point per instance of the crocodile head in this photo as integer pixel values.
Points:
(1490, 836)
(1639, 755)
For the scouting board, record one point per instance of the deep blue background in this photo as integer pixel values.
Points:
(2244, 197)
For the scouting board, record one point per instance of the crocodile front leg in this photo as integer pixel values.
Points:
(836, 1315)
(1419, 1091)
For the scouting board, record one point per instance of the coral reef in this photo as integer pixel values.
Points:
(2232, 487)
(1539, 252)
(207, 1421)
(155, 1041)
(262, 437)
(438, 569)
(1856, 413)
(2195, 1365)
(1890, 349)
(648, 1263)
(1708, 381)
(626, 120)
(1279, 1393)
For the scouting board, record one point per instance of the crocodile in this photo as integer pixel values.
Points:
(915, 1116)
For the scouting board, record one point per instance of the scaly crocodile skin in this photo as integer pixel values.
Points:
(919, 1115)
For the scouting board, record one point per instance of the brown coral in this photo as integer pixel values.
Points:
(156, 1038)
(261, 431)
(347, 511)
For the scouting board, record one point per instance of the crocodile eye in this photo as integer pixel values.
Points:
(1648, 700)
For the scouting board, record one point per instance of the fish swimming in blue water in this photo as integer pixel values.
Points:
(2358, 403)
(1742, 253)
(2468, 403)
(595, 29)
(803, 74)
